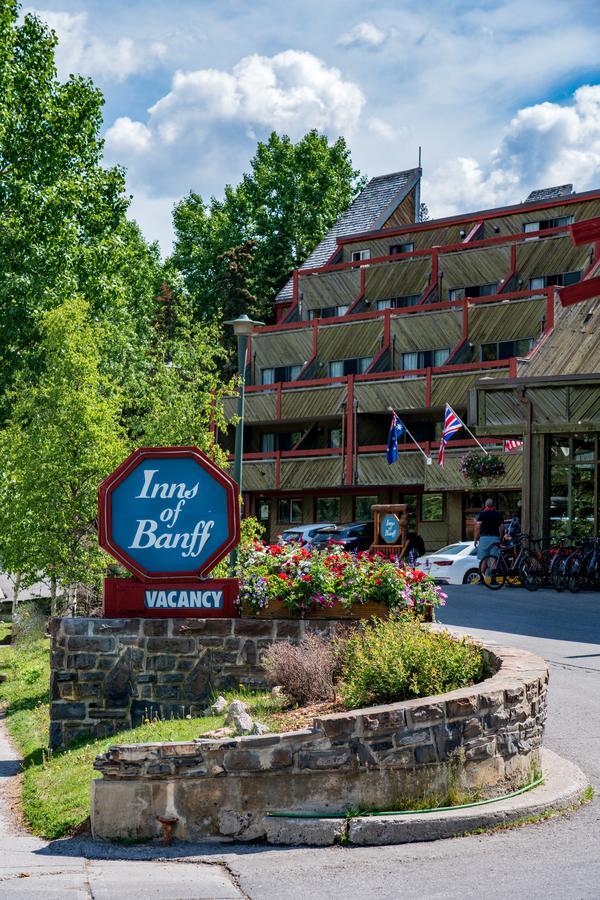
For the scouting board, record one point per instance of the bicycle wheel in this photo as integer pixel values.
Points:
(493, 572)
(531, 572)
(559, 576)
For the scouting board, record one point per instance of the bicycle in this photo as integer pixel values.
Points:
(501, 565)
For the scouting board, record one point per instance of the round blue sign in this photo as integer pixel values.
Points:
(390, 528)
(168, 512)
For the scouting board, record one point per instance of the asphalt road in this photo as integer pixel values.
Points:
(557, 859)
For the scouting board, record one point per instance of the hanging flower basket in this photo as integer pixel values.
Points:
(477, 467)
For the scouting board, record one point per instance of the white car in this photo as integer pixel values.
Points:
(304, 534)
(454, 564)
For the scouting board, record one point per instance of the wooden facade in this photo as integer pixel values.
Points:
(315, 445)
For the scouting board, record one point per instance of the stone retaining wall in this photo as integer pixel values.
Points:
(487, 737)
(108, 674)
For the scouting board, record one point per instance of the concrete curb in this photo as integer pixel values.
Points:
(564, 784)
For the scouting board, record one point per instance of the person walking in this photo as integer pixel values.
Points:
(488, 532)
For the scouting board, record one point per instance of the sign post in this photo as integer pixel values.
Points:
(169, 515)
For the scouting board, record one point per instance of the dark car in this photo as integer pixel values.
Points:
(353, 536)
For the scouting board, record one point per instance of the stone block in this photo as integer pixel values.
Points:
(462, 707)
(186, 664)
(514, 694)
(162, 662)
(197, 684)
(66, 676)
(382, 720)
(281, 757)
(337, 726)
(252, 628)
(91, 644)
(61, 711)
(364, 753)
(92, 675)
(491, 700)
(472, 728)
(167, 692)
(69, 626)
(402, 759)
(249, 653)
(169, 645)
(147, 678)
(81, 661)
(242, 761)
(324, 759)
(217, 627)
(307, 832)
(288, 629)
(429, 712)
(169, 678)
(425, 755)
(447, 738)
(155, 627)
(483, 748)
(116, 626)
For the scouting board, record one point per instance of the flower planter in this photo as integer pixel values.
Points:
(278, 610)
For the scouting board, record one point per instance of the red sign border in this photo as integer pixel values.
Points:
(120, 474)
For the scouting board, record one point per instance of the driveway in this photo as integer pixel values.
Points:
(557, 859)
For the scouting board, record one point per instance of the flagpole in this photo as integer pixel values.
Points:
(479, 444)
(417, 445)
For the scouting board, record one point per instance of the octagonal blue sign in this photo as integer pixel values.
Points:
(168, 512)
(390, 528)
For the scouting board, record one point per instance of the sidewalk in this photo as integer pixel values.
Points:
(32, 868)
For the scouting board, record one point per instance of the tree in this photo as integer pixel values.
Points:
(424, 213)
(63, 230)
(63, 439)
(284, 205)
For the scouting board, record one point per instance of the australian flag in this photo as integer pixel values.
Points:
(452, 424)
(397, 429)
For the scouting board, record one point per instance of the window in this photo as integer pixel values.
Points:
(279, 373)
(399, 302)
(422, 359)
(359, 255)
(362, 507)
(358, 366)
(327, 509)
(327, 312)
(402, 248)
(505, 349)
(542, 225)
(473, 290)
(267, 443)
(561, 280)
(334, 437)
(289, 511)
(287, 440)
(264, 510)
(432, 508)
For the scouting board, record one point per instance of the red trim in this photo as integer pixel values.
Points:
(350, 430)
(549, 311)
(585, 232)
(428, 387)
(126, 468)
(583, 290)
(277, 469)
(124, 598)
(483, 215)
(361, 292)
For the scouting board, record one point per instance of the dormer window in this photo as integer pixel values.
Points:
(360, 255)
(279, 373)
(544, 224)
(561, 280)
(474, 290)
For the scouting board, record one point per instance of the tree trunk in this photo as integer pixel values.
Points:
(15, 602)
(53, 609)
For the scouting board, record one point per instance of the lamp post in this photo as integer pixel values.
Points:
(242, 329)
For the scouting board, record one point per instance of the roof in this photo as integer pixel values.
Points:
(550, 193)
(377, 200)
(572, 347)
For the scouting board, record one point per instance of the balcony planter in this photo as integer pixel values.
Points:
(278, 609)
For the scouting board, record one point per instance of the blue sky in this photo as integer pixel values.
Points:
(503, 96)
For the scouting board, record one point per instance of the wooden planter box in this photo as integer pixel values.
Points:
(278, 610)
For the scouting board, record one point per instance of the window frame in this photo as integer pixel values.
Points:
(395, 251)
(442, 517)
(360, 255)
(290, 520)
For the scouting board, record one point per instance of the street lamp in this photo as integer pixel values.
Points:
(242, 329)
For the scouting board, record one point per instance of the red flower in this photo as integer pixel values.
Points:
(283, 576)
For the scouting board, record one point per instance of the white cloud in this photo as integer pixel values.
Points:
(203, 131)
(543, 145)
(381, 128)
(364, 34)
(80, 51)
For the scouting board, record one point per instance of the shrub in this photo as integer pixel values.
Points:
(30, 622)
(304, 671)
(476, 467)
(399, 658)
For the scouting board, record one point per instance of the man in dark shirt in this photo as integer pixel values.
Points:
(488, 532)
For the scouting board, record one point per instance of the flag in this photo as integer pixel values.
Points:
(452, 424)
(397, 429)
(512, 444)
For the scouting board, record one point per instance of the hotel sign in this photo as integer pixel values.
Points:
(168, 515)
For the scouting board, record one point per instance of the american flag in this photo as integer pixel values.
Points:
(512, 444)
(452, 424)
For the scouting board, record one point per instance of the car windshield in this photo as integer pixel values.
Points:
(452, 549)
(292, 535)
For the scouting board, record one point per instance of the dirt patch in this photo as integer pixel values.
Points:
(302, 717)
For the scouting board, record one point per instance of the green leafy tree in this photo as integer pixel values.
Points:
(63, 439)
(284, 206)
(63, 230)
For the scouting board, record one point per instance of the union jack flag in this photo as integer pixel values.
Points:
(452, 424)
(512, 444)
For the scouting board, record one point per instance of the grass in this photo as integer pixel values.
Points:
(56, 786)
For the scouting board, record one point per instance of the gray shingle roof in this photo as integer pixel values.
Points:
(550, 193)
(378, 195)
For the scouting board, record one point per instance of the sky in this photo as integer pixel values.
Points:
(502, 95)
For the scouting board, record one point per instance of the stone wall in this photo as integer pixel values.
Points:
(487, 737)
(109, 674)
